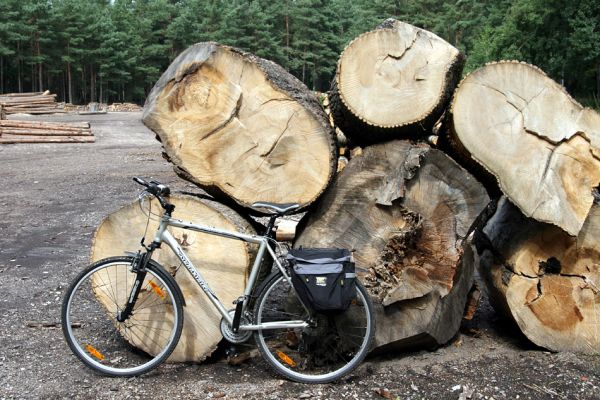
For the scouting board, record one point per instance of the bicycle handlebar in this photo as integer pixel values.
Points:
(158, 190)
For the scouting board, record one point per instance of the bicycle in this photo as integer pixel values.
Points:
(116, 302)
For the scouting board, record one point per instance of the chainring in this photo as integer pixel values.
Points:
(230, 335)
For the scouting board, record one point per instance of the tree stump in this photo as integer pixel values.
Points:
(224, 263)
(394, 81)
(543, 279)
(539, 144)
(241, 127)
(406, 209)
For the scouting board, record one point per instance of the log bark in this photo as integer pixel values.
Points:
(392, 82)
(407, 210)
(540, 145)
(224, 263)
(543, 279)
(239, 126)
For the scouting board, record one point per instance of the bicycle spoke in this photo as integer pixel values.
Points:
(331, 346)
(125, 348)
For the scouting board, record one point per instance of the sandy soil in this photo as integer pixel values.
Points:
(52, 197)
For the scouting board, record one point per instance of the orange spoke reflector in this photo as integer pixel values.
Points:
(284, 357)
(157, 290)
(94, 352)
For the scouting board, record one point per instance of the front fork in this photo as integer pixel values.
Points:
(138, 266)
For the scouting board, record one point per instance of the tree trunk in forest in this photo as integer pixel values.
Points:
(545, 280)
(541, 146)
(223, 262)
(598, 83)
(19, 80)
(394, 81)
(70, 83)
(39, 64)
(92, 84)
(240, 126)
(407, 210)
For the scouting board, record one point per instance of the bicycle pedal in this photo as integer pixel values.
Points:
(231, 352)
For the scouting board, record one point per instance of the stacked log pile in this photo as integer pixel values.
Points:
(521, 131)
(13, 131)
(30, 103)
(244, 130)
(123, 107)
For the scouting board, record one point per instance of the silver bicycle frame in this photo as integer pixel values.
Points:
(164, 236)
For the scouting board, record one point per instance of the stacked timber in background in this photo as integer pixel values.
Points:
(12, 131)
(123, 107)
(30, 103)
(244, 130)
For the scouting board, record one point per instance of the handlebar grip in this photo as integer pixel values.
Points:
(158, 190)
(140, 181)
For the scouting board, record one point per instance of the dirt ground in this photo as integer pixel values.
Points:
(53, 196)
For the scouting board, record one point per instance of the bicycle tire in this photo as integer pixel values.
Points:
(138, 344)
(308, 355)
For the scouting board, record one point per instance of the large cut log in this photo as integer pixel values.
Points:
(541, 146)
(394, 81)
(242, 127)
(224, 264)
(545, 280)
(407, 210)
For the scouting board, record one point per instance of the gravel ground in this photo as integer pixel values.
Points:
(54, 195)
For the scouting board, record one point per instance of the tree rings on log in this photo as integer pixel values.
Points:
(545, 280)
(223, 262)
(394, 81)
(406, 209)
(241, 127)
(541, 146)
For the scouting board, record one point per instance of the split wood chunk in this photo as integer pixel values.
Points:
(224, 264)
(545, 280)
(394, 81)
(542, 147)
(242, 127)
(406, 209)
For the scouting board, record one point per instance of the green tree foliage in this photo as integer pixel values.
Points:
(102, 50)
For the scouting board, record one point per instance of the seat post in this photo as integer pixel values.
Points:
(271, 224)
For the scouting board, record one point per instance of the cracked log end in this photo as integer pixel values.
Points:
(222, 262)
(392, 82)
(406, 209)
(242, 127)
(545, 280)
(540, 144)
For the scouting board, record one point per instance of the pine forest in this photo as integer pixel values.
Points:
(108, 51)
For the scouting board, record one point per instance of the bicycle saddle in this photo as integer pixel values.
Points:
(278, 208)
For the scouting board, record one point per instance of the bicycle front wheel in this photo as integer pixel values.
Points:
(330, 348)
(140, 342)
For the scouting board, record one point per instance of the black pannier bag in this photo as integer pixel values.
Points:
(323, 278)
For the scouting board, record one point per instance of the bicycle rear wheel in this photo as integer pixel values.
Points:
(138, 344)
(330, 348)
